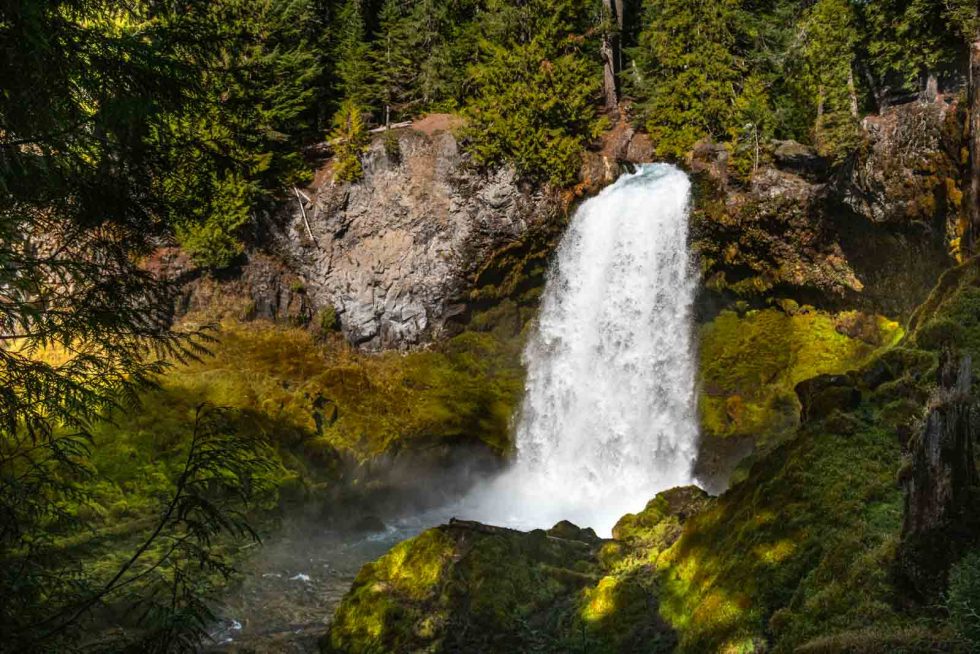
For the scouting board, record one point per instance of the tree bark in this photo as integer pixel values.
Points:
(610, 55)
(852, 91)
(973, 196)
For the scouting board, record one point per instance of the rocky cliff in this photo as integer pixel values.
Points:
(396, 253)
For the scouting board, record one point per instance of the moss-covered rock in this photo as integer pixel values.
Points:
(466, 587)
(751, 364)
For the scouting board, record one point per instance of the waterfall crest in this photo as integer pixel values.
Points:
(608, 417)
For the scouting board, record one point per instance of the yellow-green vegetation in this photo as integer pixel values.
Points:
(799, 556)
(467, 588)
(802, 553)
(751, 363)
(313, 401)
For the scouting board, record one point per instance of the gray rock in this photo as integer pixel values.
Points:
(396, 252)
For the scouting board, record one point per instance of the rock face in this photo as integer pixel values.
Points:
(396, 253)
(260, 286)
(908, 167)
(873, 234)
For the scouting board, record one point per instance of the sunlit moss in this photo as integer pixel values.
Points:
(378, 612)
(750, 365)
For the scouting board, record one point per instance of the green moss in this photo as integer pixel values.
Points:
(330, 396)
(381, 612)
(750, 365)
(463, 588)
(795, 550)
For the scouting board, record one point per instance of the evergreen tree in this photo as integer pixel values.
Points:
(394, 61)
(688, 71)
(907, 42)
(237, 148)
(86, 84)
(828, 41)
(753, 127)
(349, 138)
(535, 89)
(446, 44)
(352, 56)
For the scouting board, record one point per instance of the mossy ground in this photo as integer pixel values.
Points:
(320, 409)
(314, 402)
(463, 588)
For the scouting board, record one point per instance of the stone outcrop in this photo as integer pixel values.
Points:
(470, 587)
(397, 253)
(257, 286)
(874, 233)
(908, 167)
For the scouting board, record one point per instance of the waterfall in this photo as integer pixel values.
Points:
(608, 417)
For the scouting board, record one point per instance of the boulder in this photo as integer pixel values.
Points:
(800, 159)
(463, 587)
(908, 169)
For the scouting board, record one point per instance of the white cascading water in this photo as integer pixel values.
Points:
(608, 417)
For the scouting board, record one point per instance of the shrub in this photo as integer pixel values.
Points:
(963, 598)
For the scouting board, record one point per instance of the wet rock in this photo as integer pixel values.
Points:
(711, 159)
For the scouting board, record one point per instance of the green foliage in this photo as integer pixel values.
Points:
(963, 598)
(754, 127)
(534, 104)
(231, 152)
(352, 65)
(907, 38)
(350, 139)
(750, 366)
(690, 72)
(828, 50)
(393, 61)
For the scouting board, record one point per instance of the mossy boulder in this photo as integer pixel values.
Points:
(466, 587)
(659, 524)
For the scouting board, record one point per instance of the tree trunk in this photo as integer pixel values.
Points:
(931, 91)
(610, 56)
(852, 91)
(875, 91)
(973, 196)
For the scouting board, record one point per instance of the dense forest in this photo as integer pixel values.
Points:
(127, 126)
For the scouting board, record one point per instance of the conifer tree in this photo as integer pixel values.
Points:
(689, 71)
(353, 65)
(395, 67)
(349, 138)
(535, 89)
(829, 39)
(234, 151)
(446, 43)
